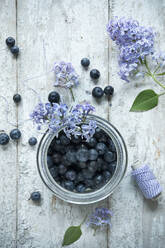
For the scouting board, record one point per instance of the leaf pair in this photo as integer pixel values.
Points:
(72, 234)
(146, 100)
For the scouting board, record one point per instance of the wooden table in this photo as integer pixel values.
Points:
(54, 30)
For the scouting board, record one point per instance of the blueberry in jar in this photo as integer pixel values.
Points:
(101, 148)
(109, 156)
(70, 175)
(80, 188)
(93, 154)
(82, 155)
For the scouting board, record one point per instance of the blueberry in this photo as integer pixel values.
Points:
(89, 183)
(70, 148)
(103, 138)
(93, 154)
(101, 148)
(100, 164)
(98, 133)
(65, 161)
(108, 90)
(54, 97)
(92, 142)
(57, 146)
(69, 185)
(107, 175)
(71, 157)
(112, 167)
(64, 140)
(87, 174)
(62, 169)
(70, 175)
(56, 158)
(14, 50)
(85, 62)
(32, 141)
(111, 145)
(97, 92)
(80, 188)
(82, 165)
(50, 161)
(10, 41)
(109, 156)
(54, 171)
(82, 155)
(95, 74)
(17, 98)
(35, 196)
(92, 166)
(50, 151)
(79, 177)
(76, 139)
(98, 179)
(105, 166)
(15, 134)
(4, 139)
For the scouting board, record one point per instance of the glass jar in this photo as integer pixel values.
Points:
(88, 197)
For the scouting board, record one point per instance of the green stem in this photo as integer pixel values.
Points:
(83, 220)
(152, 75)
(163, 93)
(71, 91)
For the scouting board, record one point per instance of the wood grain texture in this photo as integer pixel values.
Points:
(8, 158)
(138, 223)
(69, 31)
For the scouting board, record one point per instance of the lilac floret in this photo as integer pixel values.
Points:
(135, 42)
(100, 217)
(66, 76)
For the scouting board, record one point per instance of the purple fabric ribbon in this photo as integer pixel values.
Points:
(147, 182)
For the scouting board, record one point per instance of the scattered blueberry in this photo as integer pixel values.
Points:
(80, 188)
(15, 134)
(95, 74)
(4, 139)
(97, 92)
(101, 148)
(93, 154)
(17, 98)
(35, 196)
(32, 141)
(82, 155)
(85, 62)
(14, 50)
(10, 41)
(108, 90)
(54, 97)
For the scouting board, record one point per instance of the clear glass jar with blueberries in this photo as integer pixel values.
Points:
(83, 172)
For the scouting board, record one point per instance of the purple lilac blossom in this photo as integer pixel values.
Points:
(100, 217)
(66, 76)
(135, 42)
(57, 116)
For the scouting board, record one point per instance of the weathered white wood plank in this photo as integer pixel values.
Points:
(71, 30)
(138, 223)
(8, 154)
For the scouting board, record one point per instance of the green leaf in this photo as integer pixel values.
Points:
(146, 100)
(160, 74)
(72, 234)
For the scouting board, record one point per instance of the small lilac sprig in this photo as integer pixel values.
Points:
(66, 76)
(57, 116)
(99, 218)
(136, 47)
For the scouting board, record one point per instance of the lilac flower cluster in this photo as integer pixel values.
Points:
(100, 217)
(57, 116)
(65, 74)
(135, 42)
